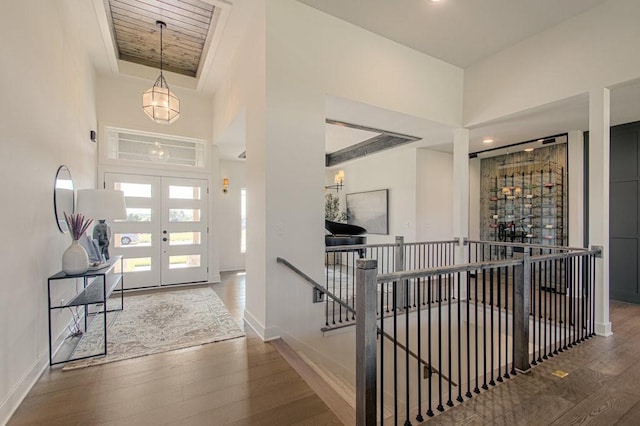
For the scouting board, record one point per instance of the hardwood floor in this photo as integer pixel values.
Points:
(245, 382)
(237, 382)
(602, 388)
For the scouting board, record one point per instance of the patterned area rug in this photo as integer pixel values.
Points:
(158, 322)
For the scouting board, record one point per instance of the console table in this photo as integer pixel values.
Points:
(85, 296)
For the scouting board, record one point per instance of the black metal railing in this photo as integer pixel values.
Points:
(340, 272)
(476, 328)
(453, 331)
(426, 367)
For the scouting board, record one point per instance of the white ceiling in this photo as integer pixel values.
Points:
(461, 32)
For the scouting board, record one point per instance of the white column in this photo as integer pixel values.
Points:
(576, 188)
(461, 197)
(599, 116)
(461, 190)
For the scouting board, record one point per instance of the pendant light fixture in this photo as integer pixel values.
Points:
(159, 103)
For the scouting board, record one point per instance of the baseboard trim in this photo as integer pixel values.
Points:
(327, 394)
(603, 329)
(265, 333)
(22, 388)
(28, 381)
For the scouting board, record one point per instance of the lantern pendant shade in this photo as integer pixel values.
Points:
(160, 104)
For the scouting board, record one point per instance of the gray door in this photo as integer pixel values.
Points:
(624, 237)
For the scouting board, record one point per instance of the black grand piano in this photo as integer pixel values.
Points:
(344, 234)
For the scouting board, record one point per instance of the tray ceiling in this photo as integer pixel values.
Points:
(190, 27)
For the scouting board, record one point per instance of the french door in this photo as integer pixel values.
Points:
(164, 239)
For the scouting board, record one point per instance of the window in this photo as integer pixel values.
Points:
(243, 220)
(154, 148)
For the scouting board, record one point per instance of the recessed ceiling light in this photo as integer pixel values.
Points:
(528, 149)
(487, 140)
(434, 1)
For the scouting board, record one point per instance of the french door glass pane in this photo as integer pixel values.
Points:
(184, 238)
(184, 261)
(184, 215)
(142, 190)
(184, 192)
(138, 215)
(137, 264)
(136, 239)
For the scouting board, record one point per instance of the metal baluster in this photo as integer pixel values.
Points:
(407, 401)
(419, 366)
(539, 318)
(506, 322)
(484, 330)
(395, 352)
(534, 266)
(333, 290)
(492, 381)
(513, 324)
(469, 394)
(415, 265)
(340, 284)
(476, 389)
(584, 317)
(459, 399)
(570, 276)
(555, 307)
(591, 295)
(552, 302)
(546, 291)
(571, 300)
(440, 407)
(429, 410)
(326, 299)
(382, 357)
(499, 327)
(450, 279)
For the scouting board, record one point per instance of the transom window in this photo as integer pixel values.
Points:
(148, 147)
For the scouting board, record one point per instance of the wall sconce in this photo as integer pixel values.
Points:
(225, 185)
(338, 181)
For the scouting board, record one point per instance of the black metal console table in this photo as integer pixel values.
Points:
(89, 299)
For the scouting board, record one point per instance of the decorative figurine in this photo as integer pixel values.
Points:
(102, 233)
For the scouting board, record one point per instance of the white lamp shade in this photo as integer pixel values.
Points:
(97, 204)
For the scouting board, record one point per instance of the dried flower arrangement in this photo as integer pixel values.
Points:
(77, 224)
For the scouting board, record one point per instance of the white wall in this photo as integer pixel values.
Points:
(434, 195)
(228, 211)
(595, 49)
(394, 170)
(292, 57)
(119, 103)
(243, 91)
(48, 109)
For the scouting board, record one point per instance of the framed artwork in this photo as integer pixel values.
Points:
(369, 210)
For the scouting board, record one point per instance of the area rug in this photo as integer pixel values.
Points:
(158, 322)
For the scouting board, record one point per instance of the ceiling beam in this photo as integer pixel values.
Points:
(385, 140)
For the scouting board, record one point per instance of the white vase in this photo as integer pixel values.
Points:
(75, 260)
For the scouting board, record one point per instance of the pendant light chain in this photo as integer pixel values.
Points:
(162, 24)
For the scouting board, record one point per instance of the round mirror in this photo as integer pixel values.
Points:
(63, 197)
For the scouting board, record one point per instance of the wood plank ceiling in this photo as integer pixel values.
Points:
(190, 26)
